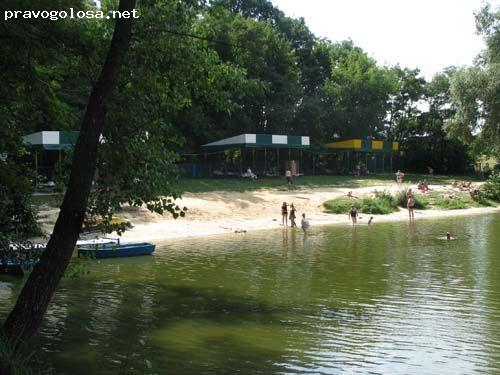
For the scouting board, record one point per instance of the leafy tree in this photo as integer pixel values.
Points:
(359, 91)
(27, 314)
(403, 113)
(475, 93)
(270, 65)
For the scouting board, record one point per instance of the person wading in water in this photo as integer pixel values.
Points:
(284, 214)
(410, 204)
(353, 214)
(292, 216)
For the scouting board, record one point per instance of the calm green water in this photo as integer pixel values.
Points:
(389, 299)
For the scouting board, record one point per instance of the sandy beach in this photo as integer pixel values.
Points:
(229, 212)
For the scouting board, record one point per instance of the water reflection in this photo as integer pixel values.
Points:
(391, 298)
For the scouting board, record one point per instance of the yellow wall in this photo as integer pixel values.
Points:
(351, 143)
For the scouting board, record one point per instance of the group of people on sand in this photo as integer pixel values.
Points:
(423, 186)
(304, 223)
(466, 186)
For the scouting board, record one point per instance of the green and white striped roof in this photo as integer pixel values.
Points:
(51, 140)
(260, 140)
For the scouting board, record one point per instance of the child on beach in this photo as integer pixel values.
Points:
(304, 223)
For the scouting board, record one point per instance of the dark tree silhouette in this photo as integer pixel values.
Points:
(27, 315)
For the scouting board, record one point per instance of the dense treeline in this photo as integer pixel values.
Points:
(199, 71)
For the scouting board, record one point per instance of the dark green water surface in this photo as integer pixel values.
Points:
(386, 299)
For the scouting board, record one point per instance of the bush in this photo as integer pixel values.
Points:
(382, 204)
(481, 199)
(491, 188)
(401, 200)
(377, 206)
(341, 205)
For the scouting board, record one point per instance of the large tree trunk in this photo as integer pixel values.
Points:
(27, 315)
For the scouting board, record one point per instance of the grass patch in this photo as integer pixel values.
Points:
(461, 200)
(421, 202)
(20, 361)
(381, 204)
(48, 200)
(199, 185)
(341, 205)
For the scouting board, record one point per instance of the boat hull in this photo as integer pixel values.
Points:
(117, 251)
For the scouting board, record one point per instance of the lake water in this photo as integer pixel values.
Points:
(386, 299)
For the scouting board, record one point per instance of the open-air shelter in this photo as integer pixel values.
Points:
(48, 147)
(374, 154)
(267, 154)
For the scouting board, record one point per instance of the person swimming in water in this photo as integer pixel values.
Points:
(448, 237)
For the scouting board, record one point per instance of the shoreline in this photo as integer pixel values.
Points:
(218, 213)
(225, 212)
(164, 231)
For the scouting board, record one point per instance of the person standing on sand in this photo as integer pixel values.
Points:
(353, 214)
(292, 216)
(399, 178)
(304, 223)
(410, 204)
(284, 214)
(288, 175)
(409, 193)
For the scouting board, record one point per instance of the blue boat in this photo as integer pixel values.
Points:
(17, 266)
(116, 250)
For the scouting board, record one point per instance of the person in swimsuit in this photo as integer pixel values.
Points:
(304, 223)
(353, 214)
(284, 214)
(292, 216)
(410, 204)
(370, 221)
(409, 193)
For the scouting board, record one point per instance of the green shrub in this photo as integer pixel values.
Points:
(481, 199)
(341, 205)
(382, 204)
(491, 188)
(401, 200)
(377, 206)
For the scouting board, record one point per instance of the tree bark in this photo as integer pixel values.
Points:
(27, 315)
